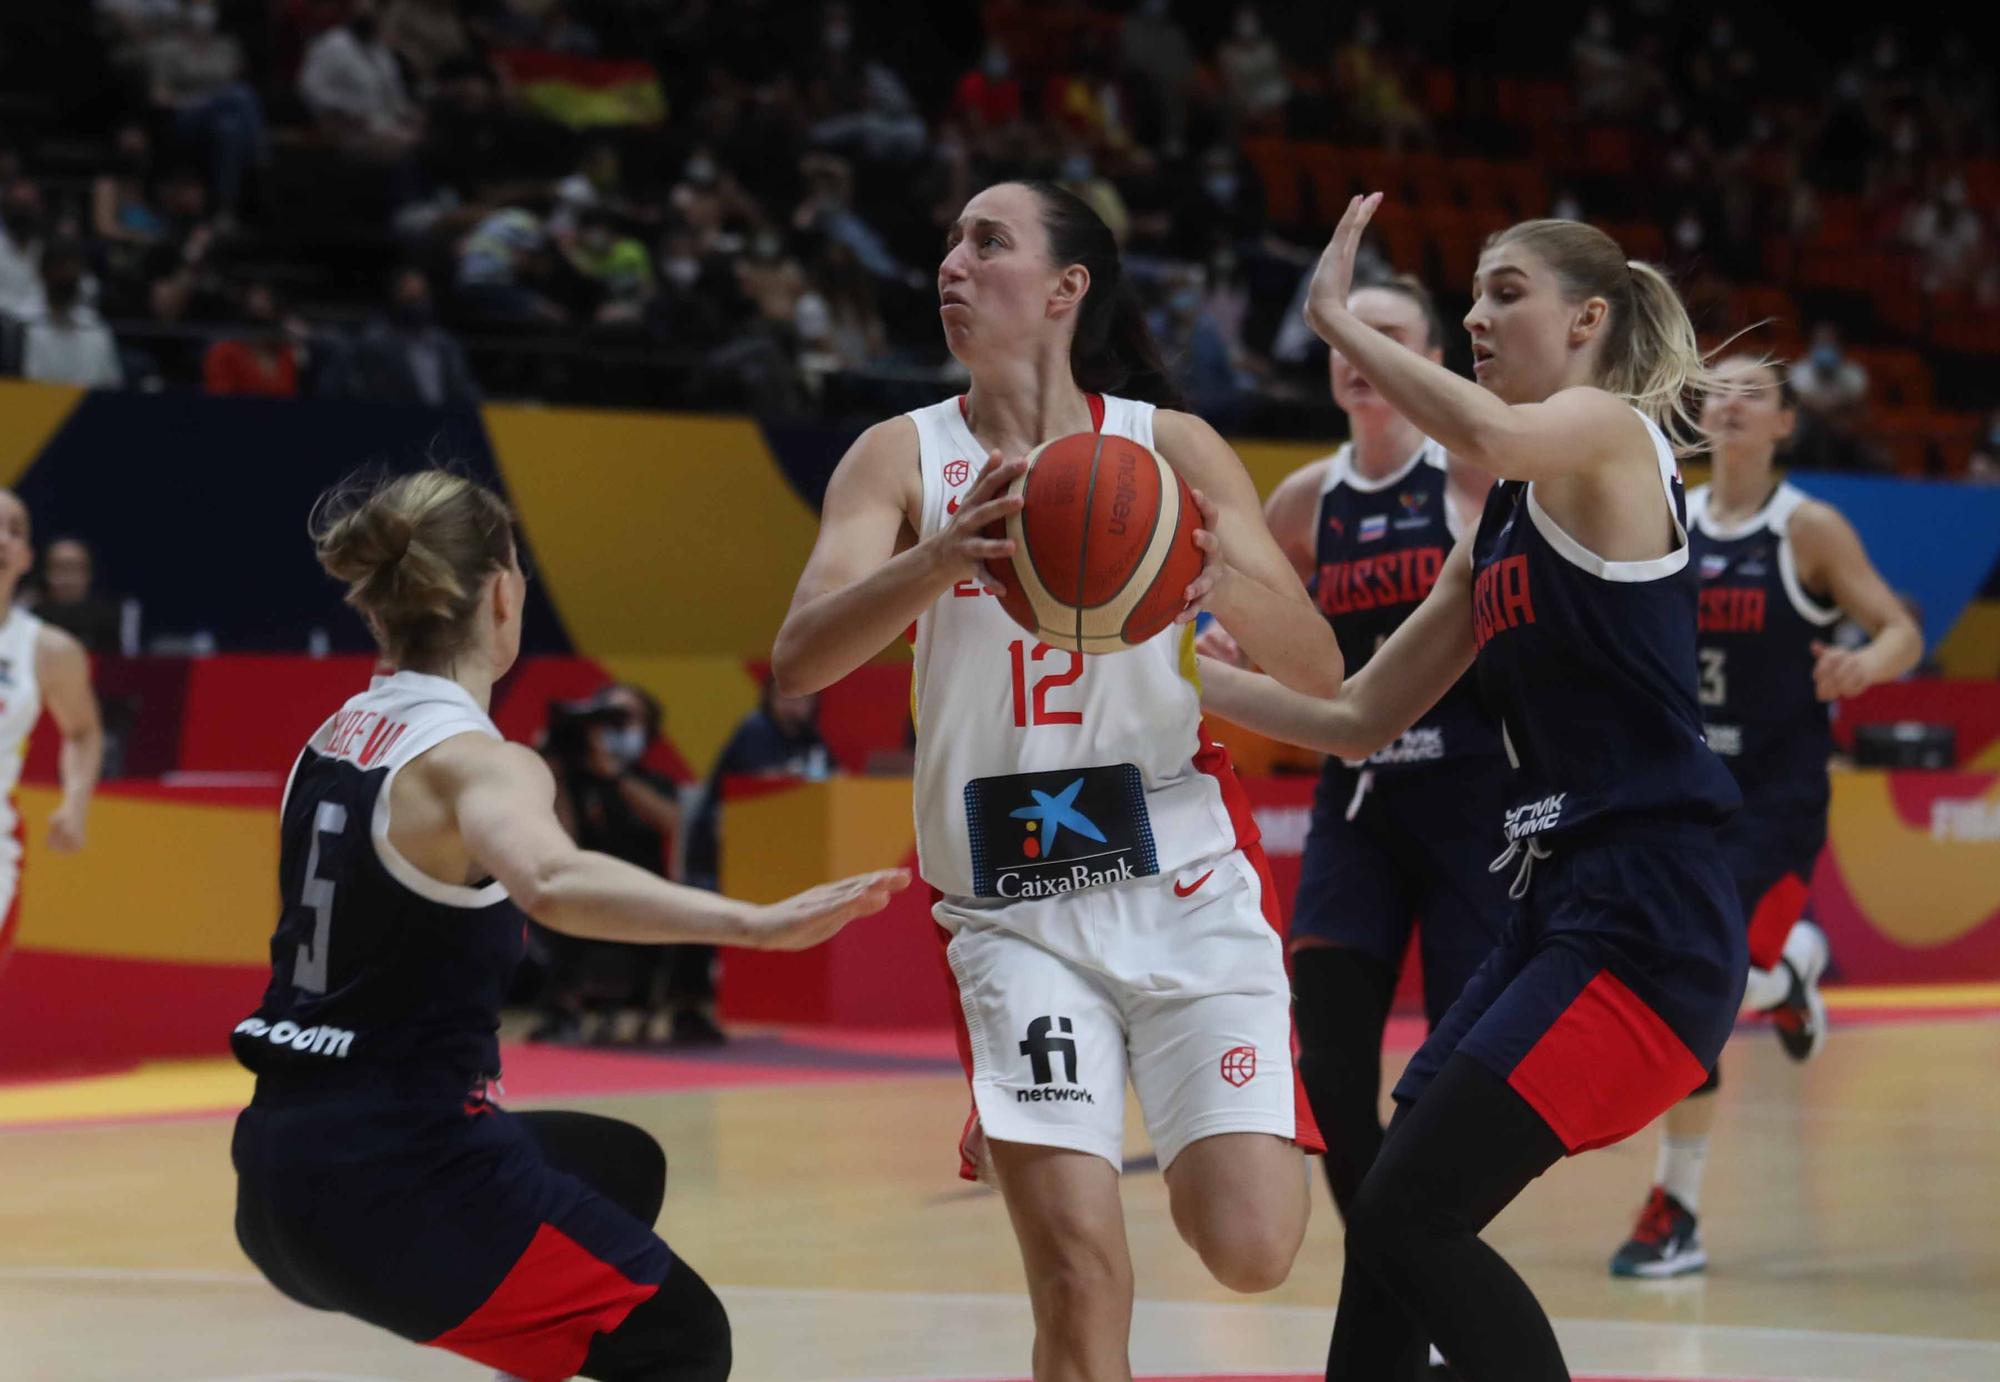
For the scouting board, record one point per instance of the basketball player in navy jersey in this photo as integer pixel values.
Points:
(1620, 973)
(1145, 950)
(1778, 570)
(374, 1174)
(1401, 839)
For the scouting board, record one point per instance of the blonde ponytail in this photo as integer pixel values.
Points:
(1651, 356)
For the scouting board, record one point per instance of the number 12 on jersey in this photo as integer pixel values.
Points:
(1037, 711)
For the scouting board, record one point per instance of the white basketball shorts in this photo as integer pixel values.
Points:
(1175, 981)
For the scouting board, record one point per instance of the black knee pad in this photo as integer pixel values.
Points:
(1712, 1083)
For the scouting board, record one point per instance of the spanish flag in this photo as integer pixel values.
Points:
(584, 92)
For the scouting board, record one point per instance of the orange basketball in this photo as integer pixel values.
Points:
(1103, 544)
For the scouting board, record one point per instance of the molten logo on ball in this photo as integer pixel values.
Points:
(1239, 1065)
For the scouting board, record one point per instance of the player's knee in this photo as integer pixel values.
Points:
(1077, 1281)
(1250, 1258)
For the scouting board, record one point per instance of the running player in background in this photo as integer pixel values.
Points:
(39, 665)
(374, 1174)
(1166, 967)
(1620, 973)
(1778, 570)
(1401, 839)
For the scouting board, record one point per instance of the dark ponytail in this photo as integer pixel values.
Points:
(1113, 350)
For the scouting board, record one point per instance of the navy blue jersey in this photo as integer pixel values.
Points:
(1378, 549)
(373, 962)
(1758, 625)
(1590, 665)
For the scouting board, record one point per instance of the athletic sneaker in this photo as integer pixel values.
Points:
(1801, 1019)
(1664, 1243)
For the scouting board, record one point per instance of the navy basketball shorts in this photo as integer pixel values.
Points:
(1410, 846)
(1613, 990)
(441, 1221)
(1771, 849)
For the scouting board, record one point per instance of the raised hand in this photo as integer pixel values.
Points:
(1333, 279)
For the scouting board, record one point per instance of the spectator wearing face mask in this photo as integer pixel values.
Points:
(405, 356)
(265, 359)
(610, 802)
(66, 343)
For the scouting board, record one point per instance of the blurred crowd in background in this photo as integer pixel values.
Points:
(663, 202)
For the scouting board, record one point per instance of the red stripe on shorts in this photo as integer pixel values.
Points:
(968, 1169)
(1777, 909)
(1305, 1128)
(1213, 759)
(1606, 1067)
(540, 1320)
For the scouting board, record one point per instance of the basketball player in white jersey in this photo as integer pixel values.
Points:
(1095, 861)
(39, 665)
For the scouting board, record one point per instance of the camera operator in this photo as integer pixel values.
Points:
(608, 801)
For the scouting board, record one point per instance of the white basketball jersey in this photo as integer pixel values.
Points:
(1039, 770)
(20, 707)
(20, 694)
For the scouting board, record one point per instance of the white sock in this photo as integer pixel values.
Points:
(1679, 1169)
(1767, 988)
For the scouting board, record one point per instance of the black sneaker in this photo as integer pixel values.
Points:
(1664, 1243)
(1801, 1019)
(693, 1027)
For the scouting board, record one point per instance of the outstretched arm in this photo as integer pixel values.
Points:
(1406, 677)
(503, 797)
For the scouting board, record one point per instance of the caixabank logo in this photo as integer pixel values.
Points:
(1044, 834)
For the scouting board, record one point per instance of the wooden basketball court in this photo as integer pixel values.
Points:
(1850, 1214)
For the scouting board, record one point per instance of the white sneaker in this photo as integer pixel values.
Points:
(1800, 1020)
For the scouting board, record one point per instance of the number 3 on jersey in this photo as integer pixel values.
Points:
(1038, 711)
(1714, 689)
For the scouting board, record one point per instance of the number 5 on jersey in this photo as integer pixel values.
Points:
(317, 893)
(1037, 711)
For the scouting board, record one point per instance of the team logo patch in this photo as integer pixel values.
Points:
(1373, 528)
(1239, 1065)
(1051, 1040)
(957, 472)
(1412, 500)
(1043, 834)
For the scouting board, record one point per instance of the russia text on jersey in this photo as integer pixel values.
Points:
(1394, 578)
(1732, 609)
(1501, 599)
